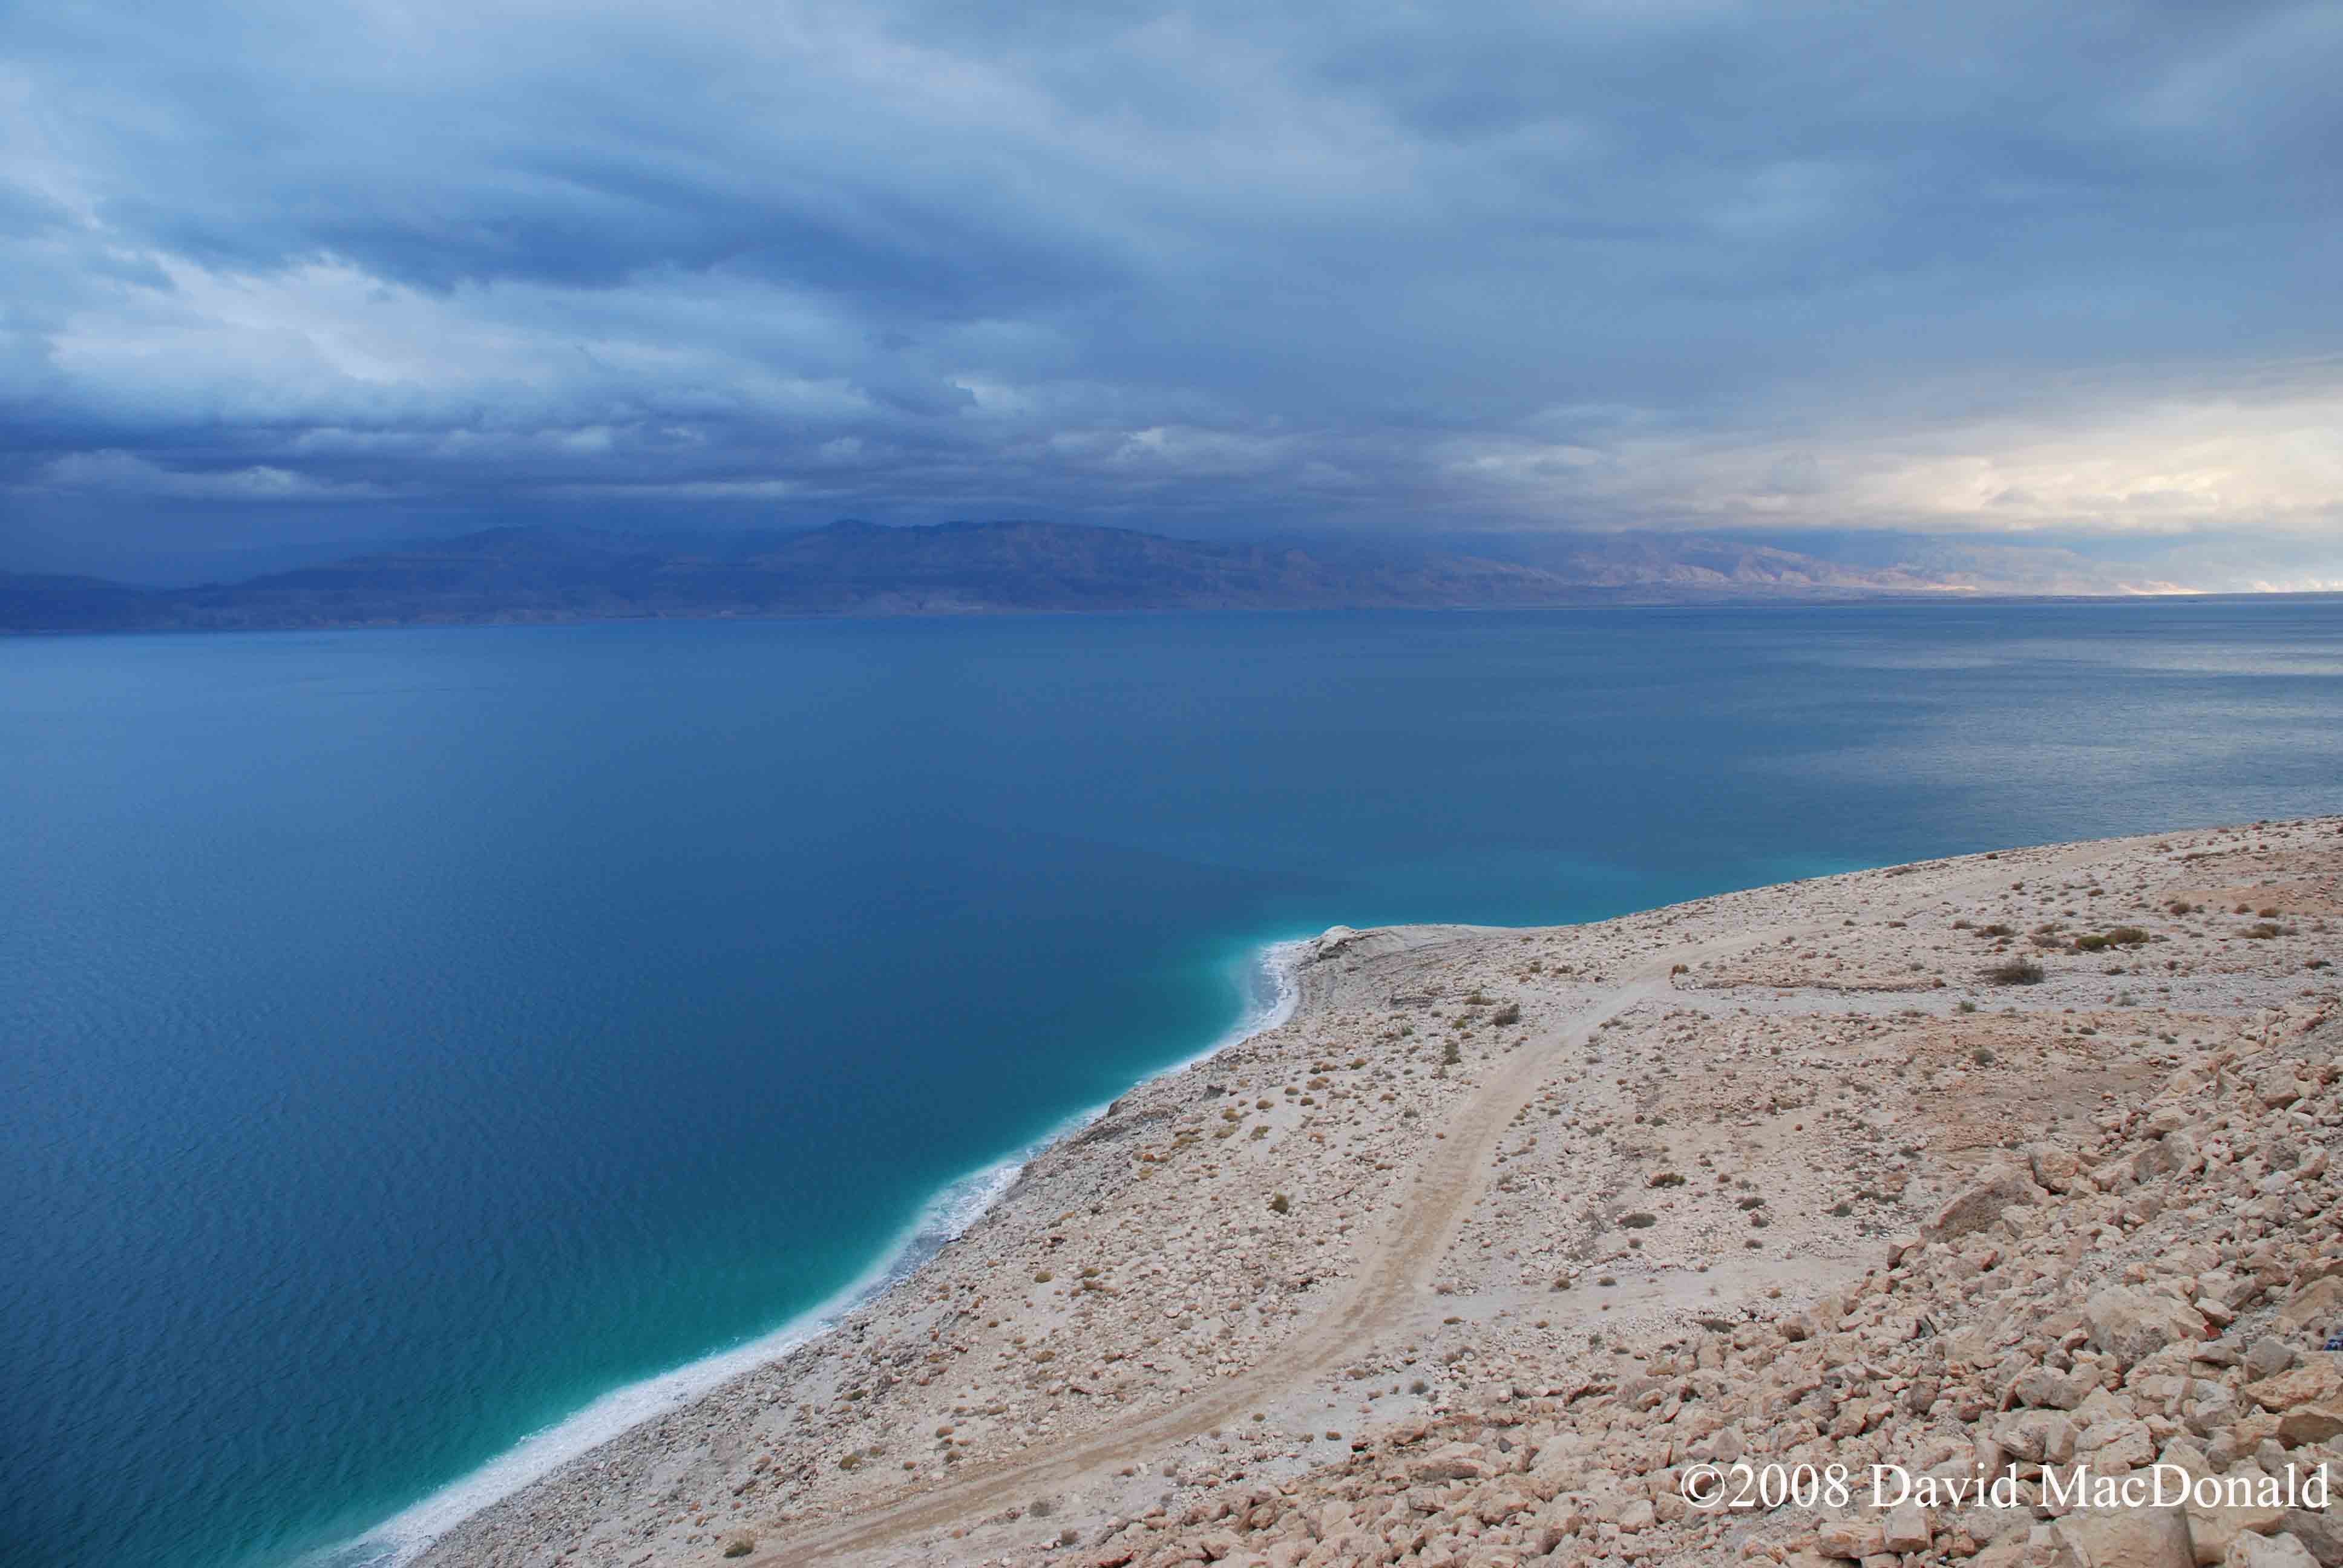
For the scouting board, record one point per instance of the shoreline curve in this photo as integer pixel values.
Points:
(404, 1537)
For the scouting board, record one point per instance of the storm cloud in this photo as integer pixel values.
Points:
(279, 271)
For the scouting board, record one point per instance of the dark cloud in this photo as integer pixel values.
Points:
(2002, 269)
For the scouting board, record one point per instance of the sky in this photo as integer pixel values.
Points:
(275, 276)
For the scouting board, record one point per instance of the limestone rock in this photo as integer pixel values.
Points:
(2316, 1381)
(2133, 1324)
(2320, 1307)
(2321, 1532)
(2269, 1357)
(2310, 1424)
(2268, 1552)
(1906, 1529)
(1455, 1461)
(1850, 1538)
(2047, 1390)
(1980, 1204)
(2041, 1437)
(2129, 1538)
(1334, 940)
(2214, 1529)
(2054, 1167)
(2278, 1087)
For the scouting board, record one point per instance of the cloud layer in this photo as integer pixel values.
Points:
(2002, 269)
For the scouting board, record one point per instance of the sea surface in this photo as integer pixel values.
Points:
(411, 1039)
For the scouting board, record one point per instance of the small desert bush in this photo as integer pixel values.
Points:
(2017, 971)
(1280, 1203)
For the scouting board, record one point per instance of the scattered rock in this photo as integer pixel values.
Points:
(1980, 1204)
(2268, 1552)
(2132, 1325)
(2125, 1538)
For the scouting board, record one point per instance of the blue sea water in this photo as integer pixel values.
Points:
(408, 1039)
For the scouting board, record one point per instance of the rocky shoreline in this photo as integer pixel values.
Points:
(1981, 1167)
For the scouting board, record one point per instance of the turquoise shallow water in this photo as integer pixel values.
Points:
(410, 1038)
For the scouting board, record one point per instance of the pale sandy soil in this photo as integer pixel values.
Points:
(1696, 1116)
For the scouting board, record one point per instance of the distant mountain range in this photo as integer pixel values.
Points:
(561, 574)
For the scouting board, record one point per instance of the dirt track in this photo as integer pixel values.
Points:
(1396, 1268)
(1442, 1217)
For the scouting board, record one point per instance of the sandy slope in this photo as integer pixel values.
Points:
(1393, 1269)
(1694, 1109)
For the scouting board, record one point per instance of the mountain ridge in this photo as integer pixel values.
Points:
(529, 573)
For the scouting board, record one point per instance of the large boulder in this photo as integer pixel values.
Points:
(2320, 1307)
(1980, 1204)
(2320, 1423)
(2277, 1086)
(1451, 1462)
(2321, 1532)
(2268, 1552)
(1850, 1539)
(2214, 1527)
(2132, 1325)
(2316, 1381)
(1906, 1529)
(2041, 1437)
(2046, 1388)
(2125, 1538)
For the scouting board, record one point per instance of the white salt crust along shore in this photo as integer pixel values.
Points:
(944, 1220)
(1469, 1258)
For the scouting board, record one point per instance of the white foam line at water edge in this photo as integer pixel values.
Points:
(1278, 963)
(945, 1217)
(405, 1536)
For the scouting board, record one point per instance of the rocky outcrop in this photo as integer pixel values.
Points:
(2120, 1307)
